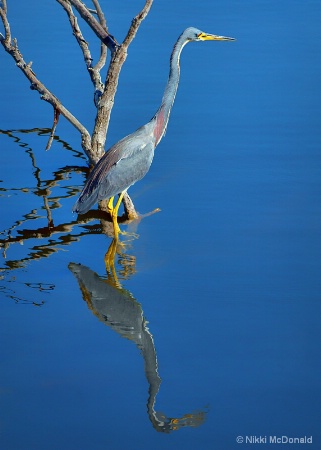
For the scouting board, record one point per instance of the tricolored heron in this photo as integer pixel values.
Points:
(129, 160)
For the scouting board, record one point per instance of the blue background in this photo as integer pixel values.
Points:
(227, 274)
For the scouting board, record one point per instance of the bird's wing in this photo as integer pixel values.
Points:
(118, 151)
(126, 171)
(121, 166)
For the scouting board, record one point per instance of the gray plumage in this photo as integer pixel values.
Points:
(121, 166)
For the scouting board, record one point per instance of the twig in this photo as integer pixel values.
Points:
(103, 49)
(100, 14)
(3, 5)
(53, 129)
(3, 14)
(97, 28)
(93, 71)
(77, 32)
(136, 23)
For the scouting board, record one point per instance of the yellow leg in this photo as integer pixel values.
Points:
(114, 215)
(110, 205)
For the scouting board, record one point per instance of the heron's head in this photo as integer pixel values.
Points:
(193, 34)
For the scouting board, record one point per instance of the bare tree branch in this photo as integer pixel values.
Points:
(101, 15)
(107, 99)
(102, 59)
(103, 49)
(136, 23)
(77, 32)
(3, 4)
(97, 28)
(93, 71)
(3, 15)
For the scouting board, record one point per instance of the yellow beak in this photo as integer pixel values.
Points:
(214, 37)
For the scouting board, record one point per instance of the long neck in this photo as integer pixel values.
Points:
(163, 113)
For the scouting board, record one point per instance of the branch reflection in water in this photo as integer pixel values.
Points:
(38, 223)
(25, 225)
(117, 308)
(106, 298)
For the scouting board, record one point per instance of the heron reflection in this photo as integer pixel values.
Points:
(117, 308)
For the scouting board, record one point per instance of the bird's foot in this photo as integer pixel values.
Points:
(118, 231)
(129, 234)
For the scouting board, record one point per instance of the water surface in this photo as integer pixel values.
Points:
(207, 327)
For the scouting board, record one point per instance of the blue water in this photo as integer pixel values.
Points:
(209, 327)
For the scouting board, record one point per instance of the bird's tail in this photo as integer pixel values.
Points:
(85, 202)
